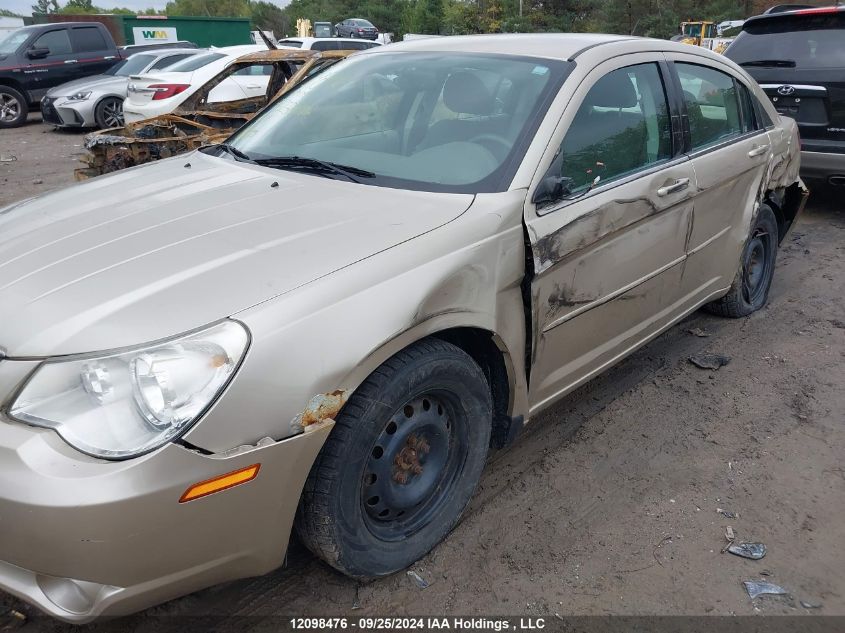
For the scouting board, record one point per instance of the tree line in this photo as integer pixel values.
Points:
(650, 18)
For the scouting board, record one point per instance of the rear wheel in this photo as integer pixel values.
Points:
(401, 463)
(750, 289)
(13, 107)
(109, 113)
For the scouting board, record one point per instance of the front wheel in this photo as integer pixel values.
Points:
(750, 289)
(109, 113)
(401, 463)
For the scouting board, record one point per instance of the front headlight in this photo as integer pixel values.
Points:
(124, 404)
(79, 96)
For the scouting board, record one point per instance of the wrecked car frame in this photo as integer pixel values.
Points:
(198, 122)
(247, 337)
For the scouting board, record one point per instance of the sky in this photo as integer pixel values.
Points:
(24, 7)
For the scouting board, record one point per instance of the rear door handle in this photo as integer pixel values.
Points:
(679, 185)
(757, 151)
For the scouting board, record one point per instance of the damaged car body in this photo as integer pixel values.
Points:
(325, 323)
(199, 121)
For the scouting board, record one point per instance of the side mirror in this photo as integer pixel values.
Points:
(551, 189)
(38, 53)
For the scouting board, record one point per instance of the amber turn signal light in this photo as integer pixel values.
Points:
(223, 482)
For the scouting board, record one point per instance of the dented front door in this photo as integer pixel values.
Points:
(608, 262)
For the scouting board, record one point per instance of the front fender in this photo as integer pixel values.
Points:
(328, 336)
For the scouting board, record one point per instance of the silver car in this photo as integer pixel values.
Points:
(98, 101)
(329, 320)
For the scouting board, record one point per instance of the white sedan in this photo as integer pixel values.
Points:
(162, 92)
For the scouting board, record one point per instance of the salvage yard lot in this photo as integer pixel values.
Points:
(608, 503)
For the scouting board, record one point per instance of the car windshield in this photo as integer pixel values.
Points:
(807, 41)
(427, 121)
(131, 66)
(194, 62)
(10, 42)
(290, 43)
(363, 23)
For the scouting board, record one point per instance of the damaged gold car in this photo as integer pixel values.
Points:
(328, 320)
(200, 120)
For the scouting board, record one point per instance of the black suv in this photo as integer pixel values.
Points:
(798, 58)
(34, 59)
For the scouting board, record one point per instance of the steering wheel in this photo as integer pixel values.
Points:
(499, 146)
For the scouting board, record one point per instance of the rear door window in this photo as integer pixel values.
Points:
(87, 39)
(712, 104)
(57, 41)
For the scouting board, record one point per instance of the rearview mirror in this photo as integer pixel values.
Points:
(551, 189)
(38, 53)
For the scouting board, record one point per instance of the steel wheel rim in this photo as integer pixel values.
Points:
(756, 266)
(10, 107)
(413, 466)
(113, 113)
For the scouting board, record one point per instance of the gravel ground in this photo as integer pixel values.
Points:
(608, 503)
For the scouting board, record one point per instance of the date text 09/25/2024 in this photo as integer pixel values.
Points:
(416, 623)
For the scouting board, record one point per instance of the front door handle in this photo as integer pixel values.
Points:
(757, 151)
(679, 185)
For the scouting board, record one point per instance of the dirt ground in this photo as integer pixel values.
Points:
(608, 503)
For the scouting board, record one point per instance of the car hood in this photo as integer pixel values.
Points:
(97, 82)
(154, 251)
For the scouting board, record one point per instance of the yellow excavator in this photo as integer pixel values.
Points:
(706, 34)
(696, 32)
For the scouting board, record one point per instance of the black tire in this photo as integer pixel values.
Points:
(352, 35)
(431, 397)
(109, 113)
(13, 108)
(750, 289)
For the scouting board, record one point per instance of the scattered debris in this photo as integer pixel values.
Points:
(837, 323)
(758, 588)
(38, 181)
(709, 361)
(754, 551)
(12, 619)
(697, 331)
(811, 605)
(419, 581)
(727, 513)
(729, 537)
(8, 159)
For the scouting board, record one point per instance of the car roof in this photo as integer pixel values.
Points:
(797, 13)
(241, 49)
(163, 52)
(547, 45)
(280, 54)
(309, 40)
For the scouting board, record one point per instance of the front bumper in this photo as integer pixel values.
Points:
(81, 537)
(822, 165)
(61, 113)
